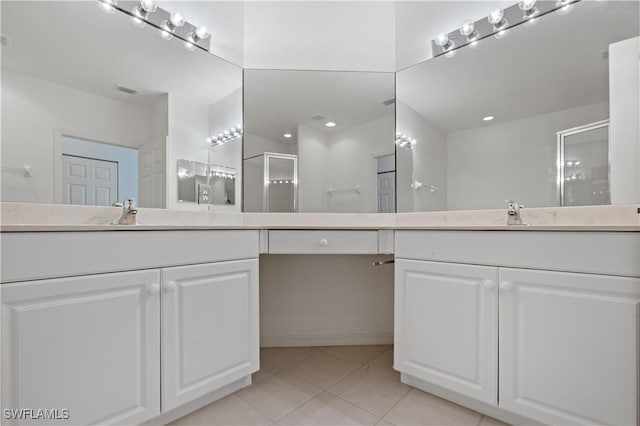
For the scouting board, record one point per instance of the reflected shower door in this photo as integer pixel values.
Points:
(583, 161)
(280, 182)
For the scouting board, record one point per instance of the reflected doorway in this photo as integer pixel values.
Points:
(386, 171)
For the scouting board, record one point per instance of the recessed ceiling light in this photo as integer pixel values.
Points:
(287, 135)
(488, 118)
(330, 124)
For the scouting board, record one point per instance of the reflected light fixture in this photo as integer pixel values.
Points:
(226, 136)
(170, 26)
(288, 135)
(330, 124)
(142, 11)
(446, 44)
(497, 19)
(405, 141)
(488, 118)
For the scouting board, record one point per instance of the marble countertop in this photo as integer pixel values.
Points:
(24, 217)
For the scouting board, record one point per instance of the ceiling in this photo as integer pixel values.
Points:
(276, 101)
(76, 44)
(557, 63)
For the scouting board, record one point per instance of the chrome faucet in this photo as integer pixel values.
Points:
(513, 213)
(129, 213)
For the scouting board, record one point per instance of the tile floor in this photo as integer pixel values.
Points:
(339, 385)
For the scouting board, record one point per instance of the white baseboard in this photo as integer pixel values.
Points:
(198, 403)
(283, 340)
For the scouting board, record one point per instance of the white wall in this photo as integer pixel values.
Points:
(320, 35)
(624, 132)
(33, 110)
(309, 300)
(513, 160)
(341, 160)
(429, 166)
(313, 156)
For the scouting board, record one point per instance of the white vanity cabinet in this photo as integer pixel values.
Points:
(90, 345)
(133, 346)
(519, 333)
(446, 326)
(209, 328)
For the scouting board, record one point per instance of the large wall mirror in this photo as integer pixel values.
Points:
(319, 141)
(96, 109)
(545, 114)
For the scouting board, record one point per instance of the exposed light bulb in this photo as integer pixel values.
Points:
(176, 19)
(488, 118)
(189, 46)
(167, 30)
(109, 6)
(330, 124)
(148, 6)
(443, 41)
(526, 4)
(497, 19)
(468, 29)
(568, 7)
(287, 135)
(202, 32)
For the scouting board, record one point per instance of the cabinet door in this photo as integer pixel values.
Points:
(209, 328)
(569, 347)
(90, 345)
(446, 324)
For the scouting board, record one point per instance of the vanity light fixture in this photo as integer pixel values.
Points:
(194, 37)
(330, 124)
(405, 141)
(468, 29)
(226, 136)
(497, 19)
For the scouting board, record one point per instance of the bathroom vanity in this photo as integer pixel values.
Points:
(523, 324)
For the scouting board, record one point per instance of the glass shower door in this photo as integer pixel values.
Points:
(583, 161)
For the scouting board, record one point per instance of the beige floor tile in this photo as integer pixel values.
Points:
(286, 357)
(383, 363)
(328, 409)
(268, 367)
(490, 421)
(322, 370)
(421, 408)
(358, 355)
(231, 410)
(384, 423)
(370, 390)
(276, 395)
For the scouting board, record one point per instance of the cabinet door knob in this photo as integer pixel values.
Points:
(506, 285)
(170, 286)
(153, 288)
(488, 284)
(324, 242)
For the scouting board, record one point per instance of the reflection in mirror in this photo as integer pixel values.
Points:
(201, 184)
(488, 122)
(337, 126)
(101, 110)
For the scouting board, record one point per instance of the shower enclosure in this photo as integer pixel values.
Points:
(271, 183)
(583, 165)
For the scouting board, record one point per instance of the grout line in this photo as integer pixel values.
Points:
(397, 402)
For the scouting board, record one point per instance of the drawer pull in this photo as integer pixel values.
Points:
(153, 288)
(488, 284)
(324, 242)
(506, 285)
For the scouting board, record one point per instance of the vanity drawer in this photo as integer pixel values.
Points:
(323, 242)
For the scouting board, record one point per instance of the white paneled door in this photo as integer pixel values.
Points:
(209, 328)
(569, 347)
(88, 181)
(89, 345)
(387, 192)
(446, 326)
